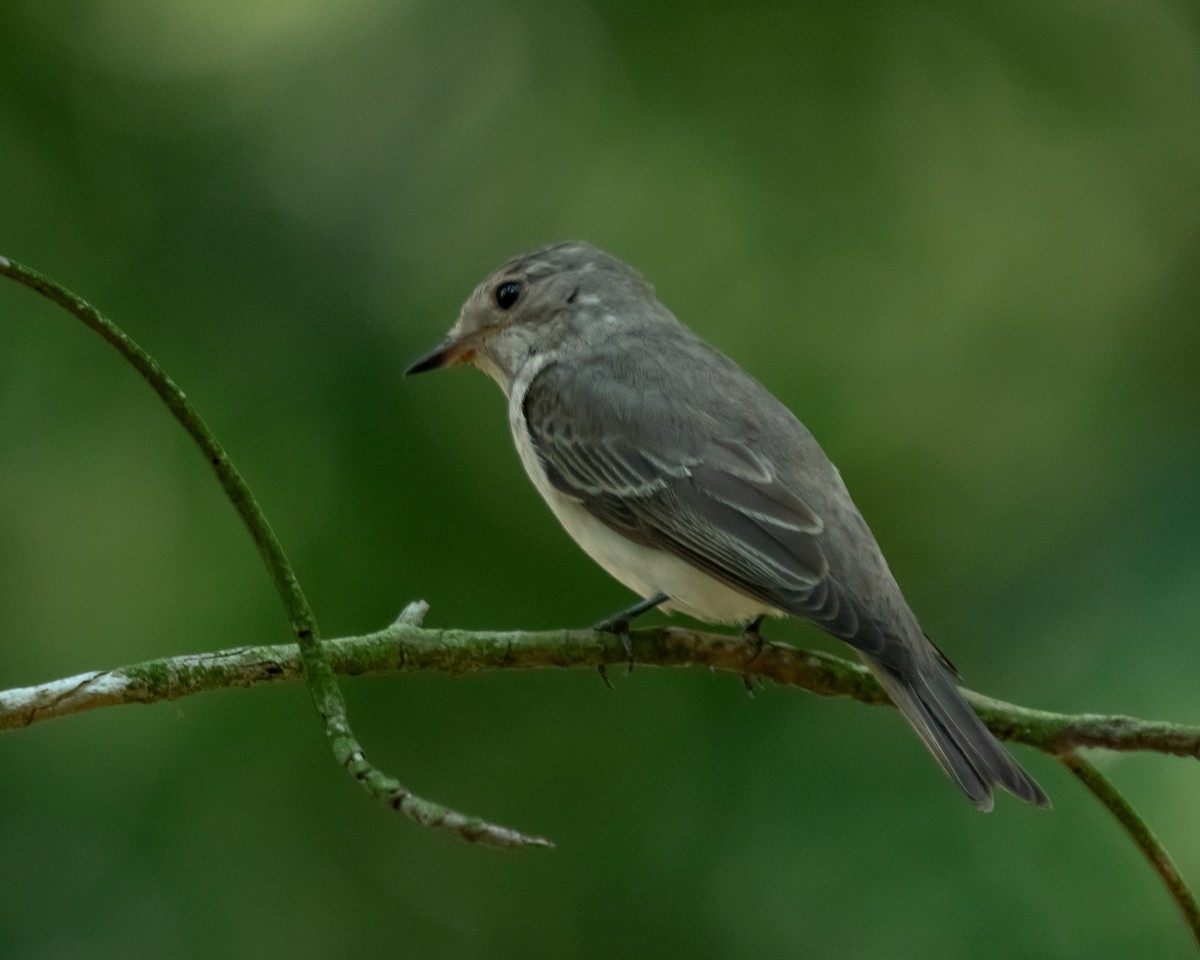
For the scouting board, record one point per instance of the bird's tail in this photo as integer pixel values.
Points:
(974, 759)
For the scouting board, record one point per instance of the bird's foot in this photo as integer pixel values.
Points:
(752, 634)
(618, 624)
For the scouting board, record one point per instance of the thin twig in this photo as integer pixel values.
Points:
(321, 679)
(1141, 835)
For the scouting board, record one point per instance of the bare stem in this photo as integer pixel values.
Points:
(321, 679)
(1160, 861)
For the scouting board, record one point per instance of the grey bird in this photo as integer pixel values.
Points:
(691, 484)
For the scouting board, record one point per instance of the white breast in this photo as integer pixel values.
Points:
(644, 570)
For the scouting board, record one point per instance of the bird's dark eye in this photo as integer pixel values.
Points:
(507, 293)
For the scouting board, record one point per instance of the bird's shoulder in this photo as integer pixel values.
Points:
(647, 425)
(671, 390)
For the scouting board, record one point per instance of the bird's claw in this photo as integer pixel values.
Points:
(618, 623)
(753, 635)
(619, 626)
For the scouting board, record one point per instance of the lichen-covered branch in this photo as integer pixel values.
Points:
(406, 646)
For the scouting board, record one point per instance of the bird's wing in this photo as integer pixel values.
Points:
(686, 478)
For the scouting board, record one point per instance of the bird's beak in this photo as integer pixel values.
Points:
(448, 353)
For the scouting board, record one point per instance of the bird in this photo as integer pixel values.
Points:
(690, 483)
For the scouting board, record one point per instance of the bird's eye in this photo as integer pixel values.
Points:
(507, 293)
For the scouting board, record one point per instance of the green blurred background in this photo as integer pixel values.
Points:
(961, 243)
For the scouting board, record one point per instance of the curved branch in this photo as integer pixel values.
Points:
(1141, 835)
(321, 679)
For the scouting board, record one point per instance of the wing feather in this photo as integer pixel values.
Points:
(714, 501)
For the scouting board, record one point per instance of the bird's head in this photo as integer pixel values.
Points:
(534, 302)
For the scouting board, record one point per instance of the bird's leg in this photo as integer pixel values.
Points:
(753, 634)
(619, 622)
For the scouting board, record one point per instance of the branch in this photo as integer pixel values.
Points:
(405, 646)
(321, 679)
(1141, 835)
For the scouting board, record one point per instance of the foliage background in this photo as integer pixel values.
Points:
(960, 242)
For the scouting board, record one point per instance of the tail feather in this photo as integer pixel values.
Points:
(965, 749)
